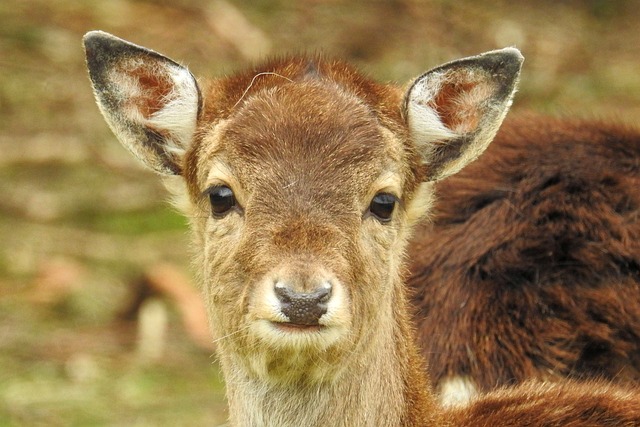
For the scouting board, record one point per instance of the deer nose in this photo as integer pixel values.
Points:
(302, 308)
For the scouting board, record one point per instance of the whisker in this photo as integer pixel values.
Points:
(231, 334)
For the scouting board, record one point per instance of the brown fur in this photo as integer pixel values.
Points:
(226, 95)
(304, 149)
(531, 268)
(542, 404)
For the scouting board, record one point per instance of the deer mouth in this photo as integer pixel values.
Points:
(281, 333)
(297, 327)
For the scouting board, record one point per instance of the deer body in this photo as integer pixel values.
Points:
(550, 287)
(302, 180)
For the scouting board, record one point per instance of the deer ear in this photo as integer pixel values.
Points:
(150, 102)
(454, 111)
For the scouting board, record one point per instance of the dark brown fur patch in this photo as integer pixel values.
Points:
(532, 267)
(542, 404)
(450, 112)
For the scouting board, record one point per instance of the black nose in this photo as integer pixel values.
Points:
(303, 308)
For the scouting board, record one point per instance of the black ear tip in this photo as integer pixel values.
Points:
(103, 49)
(93, 34)
(100, 41)
(512, 54)
(96, 38)
(96, 44)
(508, 60)
(511, 57)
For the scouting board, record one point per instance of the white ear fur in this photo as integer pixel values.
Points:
(425, 124)
(454, 111)
(150, 102)
(177, 117)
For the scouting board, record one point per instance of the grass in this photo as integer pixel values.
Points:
(67, 367)
(87, 390)
(160, 219)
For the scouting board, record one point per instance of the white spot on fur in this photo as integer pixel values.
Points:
(457, 391)
(177, 187)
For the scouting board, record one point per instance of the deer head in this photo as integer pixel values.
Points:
(303, 179)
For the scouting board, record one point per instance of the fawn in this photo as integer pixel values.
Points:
(302, 180)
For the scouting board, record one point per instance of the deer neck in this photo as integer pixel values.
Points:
(383, 383)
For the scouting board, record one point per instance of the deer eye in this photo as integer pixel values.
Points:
(222, 200)
(382, 206)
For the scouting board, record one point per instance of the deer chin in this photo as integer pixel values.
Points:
(305, 338)
(283, 353)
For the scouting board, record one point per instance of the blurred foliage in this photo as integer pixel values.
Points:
(77, 208)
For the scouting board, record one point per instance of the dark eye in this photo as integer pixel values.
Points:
(382, 206)
(222, 200)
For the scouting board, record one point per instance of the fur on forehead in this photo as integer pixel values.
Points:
(224, 95)
(308, 133)
(305, 122)
(326, 108)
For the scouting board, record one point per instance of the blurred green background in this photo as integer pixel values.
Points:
(98, 324)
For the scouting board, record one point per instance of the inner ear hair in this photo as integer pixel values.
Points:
(454, 111)
(150, 102)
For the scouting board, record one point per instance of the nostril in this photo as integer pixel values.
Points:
(283, 293)
(303, 308)
(323, 294)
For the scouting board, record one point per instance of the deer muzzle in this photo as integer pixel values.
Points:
(303, 308)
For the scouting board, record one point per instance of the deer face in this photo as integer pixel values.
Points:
(302, 187)
(305, 195)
